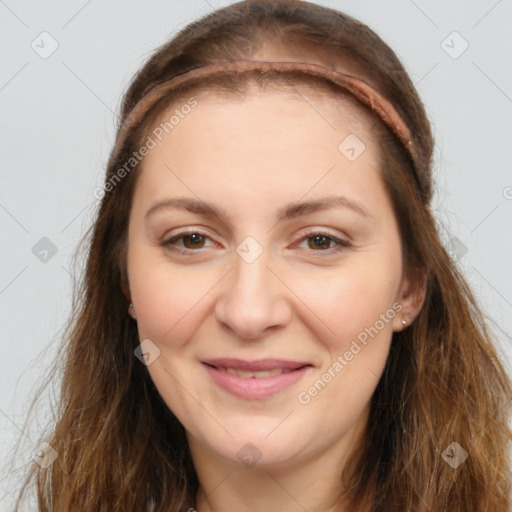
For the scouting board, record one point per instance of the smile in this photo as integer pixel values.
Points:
(255, 383)
(246, 374)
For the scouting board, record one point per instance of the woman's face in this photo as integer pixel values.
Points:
(261, 233)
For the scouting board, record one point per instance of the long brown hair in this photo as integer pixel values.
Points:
(119, 446)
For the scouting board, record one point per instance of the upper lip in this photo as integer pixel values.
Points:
(255, 365)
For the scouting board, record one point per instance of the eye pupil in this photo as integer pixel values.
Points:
(320, 241)
(195, 238)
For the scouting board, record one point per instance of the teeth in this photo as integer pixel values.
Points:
(245, 374)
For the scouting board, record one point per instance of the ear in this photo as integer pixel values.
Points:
(125, 285)
(125, 288)
(411, 296)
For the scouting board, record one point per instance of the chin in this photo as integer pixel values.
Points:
(251, 448)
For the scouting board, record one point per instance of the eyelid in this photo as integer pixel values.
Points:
(318, 230)
(175, 233)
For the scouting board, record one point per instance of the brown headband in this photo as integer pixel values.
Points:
(360, 89)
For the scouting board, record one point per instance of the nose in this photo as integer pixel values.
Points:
(253, 299)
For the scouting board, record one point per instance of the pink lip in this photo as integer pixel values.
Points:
(255, 388)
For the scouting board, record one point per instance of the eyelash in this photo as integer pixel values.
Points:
(341, 244)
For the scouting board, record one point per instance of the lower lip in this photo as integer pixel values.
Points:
(255, 388)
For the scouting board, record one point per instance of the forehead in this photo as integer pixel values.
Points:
(264, 117)
(265, 143)
(287, 85)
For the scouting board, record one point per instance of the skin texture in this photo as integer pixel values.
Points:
(295, 301)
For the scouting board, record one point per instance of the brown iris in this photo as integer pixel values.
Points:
(195, 239)
(320, 242)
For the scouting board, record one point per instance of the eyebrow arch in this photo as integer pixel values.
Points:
(289, 211)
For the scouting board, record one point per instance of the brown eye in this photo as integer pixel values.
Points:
(319, 242)
(324, 242)
(188, 242)
(193, 241)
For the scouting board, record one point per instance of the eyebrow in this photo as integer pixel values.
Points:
(289, 211)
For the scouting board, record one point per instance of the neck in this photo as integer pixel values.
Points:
(251, 490)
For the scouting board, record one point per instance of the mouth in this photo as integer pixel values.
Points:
(257, 367)
(257, 379)
(260, 374)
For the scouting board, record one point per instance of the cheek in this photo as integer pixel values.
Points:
(352, 300)
(168, 299)
(357, 307)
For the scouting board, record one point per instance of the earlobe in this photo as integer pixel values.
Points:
(131, 311)
(411, 297)
(126, 291)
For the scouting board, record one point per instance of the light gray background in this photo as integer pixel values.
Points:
(57, 124)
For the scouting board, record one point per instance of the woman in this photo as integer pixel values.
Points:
(268, 319)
